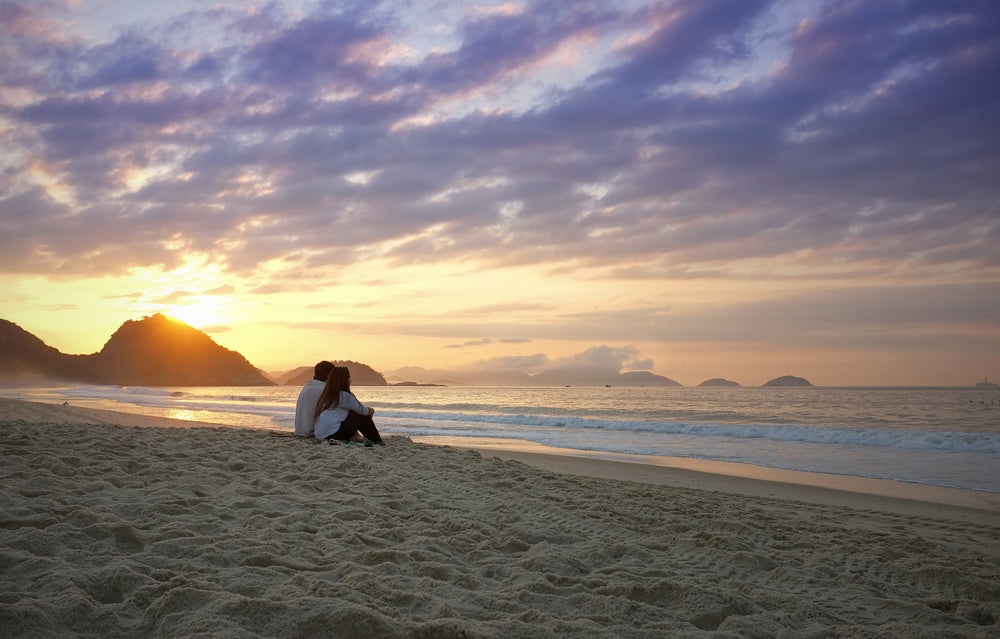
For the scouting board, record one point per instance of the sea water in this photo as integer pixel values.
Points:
(937, 436)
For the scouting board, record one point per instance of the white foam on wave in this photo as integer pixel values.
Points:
(958, 469)
(113, 392)
(939, 457)
(190, 400)
(889, 438)
(478, 417)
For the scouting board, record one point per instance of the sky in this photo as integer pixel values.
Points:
(697, 188)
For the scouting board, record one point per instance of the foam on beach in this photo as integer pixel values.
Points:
(121, 531)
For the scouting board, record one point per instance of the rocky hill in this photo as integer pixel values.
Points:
(789, 380)
(718, 381)
(153, 351)
(361, 375)
(24, 355)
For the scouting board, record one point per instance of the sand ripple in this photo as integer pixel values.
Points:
(117, 531)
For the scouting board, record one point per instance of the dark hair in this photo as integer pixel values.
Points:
(322, 370)
(338, 380)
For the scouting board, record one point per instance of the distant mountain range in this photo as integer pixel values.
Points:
(555, 377)
(560, 377)
(153, 351)
(161, 351)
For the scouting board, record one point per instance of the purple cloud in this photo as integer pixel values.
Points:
(867, 141)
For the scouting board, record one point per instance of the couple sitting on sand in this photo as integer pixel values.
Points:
(327, 409)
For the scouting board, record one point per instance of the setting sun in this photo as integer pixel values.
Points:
(200, 313)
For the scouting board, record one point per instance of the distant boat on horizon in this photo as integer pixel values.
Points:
(986, 383)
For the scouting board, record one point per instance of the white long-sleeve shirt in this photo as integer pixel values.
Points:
(330, 420)
(305, 407)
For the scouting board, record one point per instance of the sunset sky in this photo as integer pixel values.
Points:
(698, 188)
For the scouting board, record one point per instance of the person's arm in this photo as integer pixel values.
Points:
(350, 402)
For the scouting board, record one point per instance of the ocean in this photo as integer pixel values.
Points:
(936, 436)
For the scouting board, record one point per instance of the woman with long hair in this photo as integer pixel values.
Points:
(339, 415)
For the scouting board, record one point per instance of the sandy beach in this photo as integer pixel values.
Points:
(119, 525)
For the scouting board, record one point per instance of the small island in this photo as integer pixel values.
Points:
(718, 381)
(415, 384)
(789, 380)
(361, 374)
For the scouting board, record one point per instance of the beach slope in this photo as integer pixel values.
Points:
(112, 528)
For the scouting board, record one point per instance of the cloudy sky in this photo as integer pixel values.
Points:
(698, 188)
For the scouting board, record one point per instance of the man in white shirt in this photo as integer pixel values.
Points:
(305, 406)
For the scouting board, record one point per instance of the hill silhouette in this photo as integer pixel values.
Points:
(154, 351)
(24, 355)
(789, 380)
(583, 376)
(645, 378)
(361, 375)
(719, 381)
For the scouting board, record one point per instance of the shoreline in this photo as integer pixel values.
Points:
(744, 479)
(853, 492)
(737, 479)
(932, 449)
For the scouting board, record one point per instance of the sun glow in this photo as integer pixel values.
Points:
(200, 312)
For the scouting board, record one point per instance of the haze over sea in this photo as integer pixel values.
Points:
(936, 436)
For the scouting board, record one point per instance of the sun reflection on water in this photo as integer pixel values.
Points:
(182, 413)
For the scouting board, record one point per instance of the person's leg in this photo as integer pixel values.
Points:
(357, 422)
(347, 430)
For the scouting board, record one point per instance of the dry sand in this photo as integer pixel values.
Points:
(113, 529)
